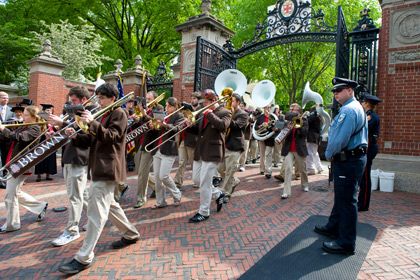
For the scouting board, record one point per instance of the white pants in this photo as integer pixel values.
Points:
(14, 197)
(313, 162)
(162, 166)
(203, 172)
(101, 207)
(266, 158)
(185, 157)
(288, 170)
(145, 178)
(227, 169)
(253, 149)
(277, 153)
(244, 154)
(75, 177)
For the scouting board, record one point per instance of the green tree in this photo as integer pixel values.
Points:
(79, 47)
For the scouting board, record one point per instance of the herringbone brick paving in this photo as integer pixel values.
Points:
(223, 247)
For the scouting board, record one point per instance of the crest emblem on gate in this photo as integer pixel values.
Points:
(287, 9)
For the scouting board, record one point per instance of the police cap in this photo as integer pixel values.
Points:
(372, 99)
(340, 83)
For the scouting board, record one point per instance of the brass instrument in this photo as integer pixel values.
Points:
(13, 125)
(297, 122)
(21, 163)
(179, 128)
(262, 95)
(140, 113)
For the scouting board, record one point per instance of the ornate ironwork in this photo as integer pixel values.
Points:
(161, 80)
(210, 61)
(365, 22)
(289, 17)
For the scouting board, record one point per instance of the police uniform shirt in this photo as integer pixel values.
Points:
(349, 120)
(373, 124)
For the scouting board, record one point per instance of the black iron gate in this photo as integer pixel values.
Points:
(210, 60)
(291, 22)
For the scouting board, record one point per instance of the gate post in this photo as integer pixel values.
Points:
(398, 77)
(209, 28)
(46, 85)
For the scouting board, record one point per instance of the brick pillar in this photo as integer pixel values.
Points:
(209, 28)
(399, 77)
(46, 85)
(134, 78)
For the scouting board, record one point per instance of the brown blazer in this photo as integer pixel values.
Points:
(300, 138)
(170, 147)
(22, 135)
(211, 139)
(106, 139)
(235, 139)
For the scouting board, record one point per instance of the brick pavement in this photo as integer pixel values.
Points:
(223, 247)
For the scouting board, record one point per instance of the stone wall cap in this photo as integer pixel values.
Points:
(47, 60)
(204, 20)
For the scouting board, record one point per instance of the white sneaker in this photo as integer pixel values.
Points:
(306, 189)
(64, 239)
(242, 169)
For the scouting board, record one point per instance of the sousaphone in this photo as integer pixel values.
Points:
(262, 96)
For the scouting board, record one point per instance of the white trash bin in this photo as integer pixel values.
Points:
(386, 181)
(374, 178)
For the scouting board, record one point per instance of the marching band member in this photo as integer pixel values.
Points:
(313, 162)
(294, 149)
(6, 114)
(235, 144)
(244, 155)
(145, 178)
(165, 157)
(187, 144)
(208, 153)
(75, 170)
(106, 139)
(266, 146)
(20, 138)
(277, 147)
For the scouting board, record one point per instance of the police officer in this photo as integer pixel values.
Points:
(346, 149)
(369, 103)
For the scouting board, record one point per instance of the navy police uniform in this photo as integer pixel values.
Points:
(372, 151)
(347, 143)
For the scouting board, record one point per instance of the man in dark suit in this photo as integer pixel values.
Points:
(106, 139)
(235, 144)
(6, 114)
(209, 152)
(294, 149)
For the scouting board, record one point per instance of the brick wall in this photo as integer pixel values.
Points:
(52, 89)
(399, 87)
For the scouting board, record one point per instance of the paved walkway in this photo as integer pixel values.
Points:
(223, 247)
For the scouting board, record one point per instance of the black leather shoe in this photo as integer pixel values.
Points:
(73, 267)
(254, 161)
(362, 209)
(123, 242)
(198, 218)
(2, 185)
(333, 248)
(219, 202)
(324, 231)
(268, 176)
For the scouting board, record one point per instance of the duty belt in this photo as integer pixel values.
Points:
(349, 154)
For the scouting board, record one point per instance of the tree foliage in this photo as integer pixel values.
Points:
(79, 47)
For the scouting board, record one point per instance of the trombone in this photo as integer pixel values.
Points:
(13, 125)
(180, 127)
(20, 164)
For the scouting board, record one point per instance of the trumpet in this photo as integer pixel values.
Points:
(140, 113)
(190, 118)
